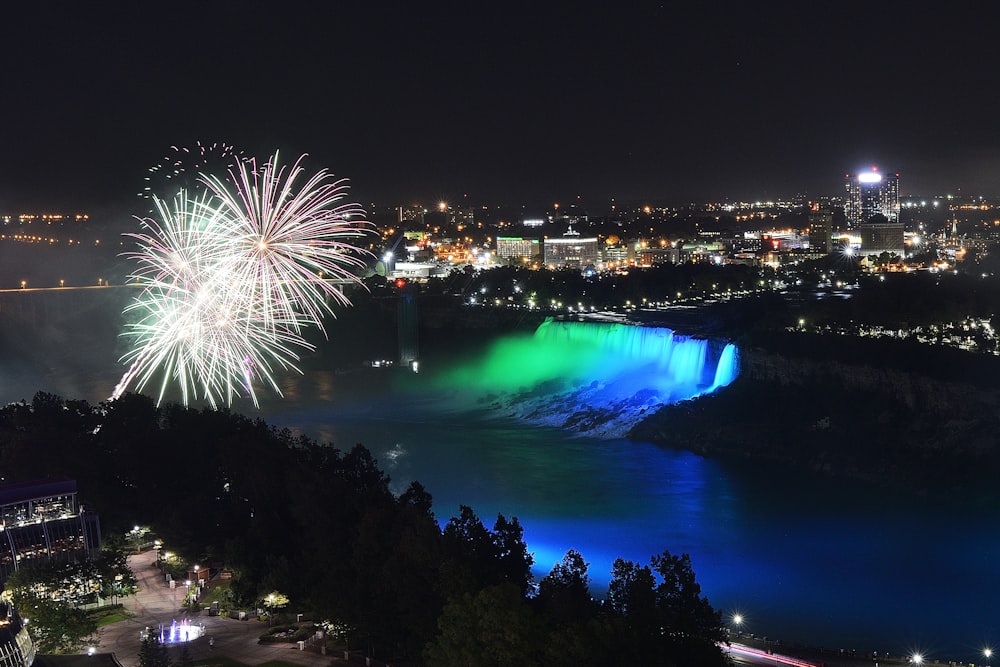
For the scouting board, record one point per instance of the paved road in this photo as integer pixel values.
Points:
(156, 604)
(746, 655)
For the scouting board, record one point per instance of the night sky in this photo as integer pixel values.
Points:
(503, 102)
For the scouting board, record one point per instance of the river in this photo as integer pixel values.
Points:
(803, 558)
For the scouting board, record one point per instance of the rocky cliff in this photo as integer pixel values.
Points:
(880, 423)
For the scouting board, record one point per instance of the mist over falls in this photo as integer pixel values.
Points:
(596, 378)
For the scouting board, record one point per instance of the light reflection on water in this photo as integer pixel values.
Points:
(813, 559)
(803, 558)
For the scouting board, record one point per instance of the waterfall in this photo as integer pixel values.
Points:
(675, 359)
(593, 377)
(727, 368)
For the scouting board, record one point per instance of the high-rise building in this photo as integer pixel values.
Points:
(871, 193)
(879, 236)
(820, 230)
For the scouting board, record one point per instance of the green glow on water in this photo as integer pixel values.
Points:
(571, 367)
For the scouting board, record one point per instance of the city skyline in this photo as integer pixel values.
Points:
(520, 104)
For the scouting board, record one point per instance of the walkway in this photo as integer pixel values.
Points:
(156, 604)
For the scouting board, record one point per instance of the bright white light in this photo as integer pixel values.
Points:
(869, 177)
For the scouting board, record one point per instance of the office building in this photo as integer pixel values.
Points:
(517, 249)
(879, 235)
(820, 230)
(871, 193)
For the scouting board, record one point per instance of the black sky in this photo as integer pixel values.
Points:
(504, 102)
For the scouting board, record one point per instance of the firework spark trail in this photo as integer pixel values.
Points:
(232, 278)
(288, 238)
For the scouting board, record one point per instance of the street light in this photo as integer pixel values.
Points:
(987, 653)
(917, 659)
(136, 534)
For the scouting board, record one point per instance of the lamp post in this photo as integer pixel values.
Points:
(987, 653)
(917, 659)
(737, 621)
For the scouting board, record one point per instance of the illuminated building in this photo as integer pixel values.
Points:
(879, 235)
(571, 250)
(616, 255)
(16, 647)
(41, 519)
(821, 230)
(516, 248)
(871, 193)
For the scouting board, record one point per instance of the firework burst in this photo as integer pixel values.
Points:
(181, 167)
(232, 277)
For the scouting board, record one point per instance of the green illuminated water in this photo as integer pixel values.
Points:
(594, 377)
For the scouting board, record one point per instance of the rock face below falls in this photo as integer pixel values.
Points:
(928, 425)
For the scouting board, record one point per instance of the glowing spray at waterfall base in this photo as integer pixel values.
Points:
(597, 378)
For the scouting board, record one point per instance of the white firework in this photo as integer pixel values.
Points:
(231, 278)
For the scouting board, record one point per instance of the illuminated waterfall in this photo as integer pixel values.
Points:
(727, 368)
(594, 377)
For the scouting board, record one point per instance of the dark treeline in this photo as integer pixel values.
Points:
(284, 513)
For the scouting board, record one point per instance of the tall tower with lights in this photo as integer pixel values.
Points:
(871, 193)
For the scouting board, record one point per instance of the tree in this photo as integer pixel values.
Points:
(666, 620)
(272, 602)
(632, 599)
(513, 560)
(152, 653)
(493, 628)
(468, 554)
(55, 626)
(564, 594)
(476, 557)
(694, 627)
(75, 583)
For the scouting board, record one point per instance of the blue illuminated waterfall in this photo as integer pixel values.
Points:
(595, 377)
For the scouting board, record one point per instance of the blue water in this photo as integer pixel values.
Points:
(803, 558)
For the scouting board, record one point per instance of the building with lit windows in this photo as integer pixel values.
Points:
(821, 230)
(513, 249)
(571, 250)
(16, 647)
(42, 519)
(879, 235)
(871, 193)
